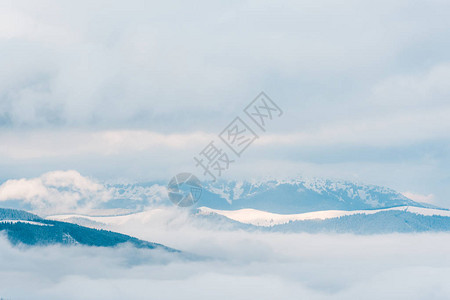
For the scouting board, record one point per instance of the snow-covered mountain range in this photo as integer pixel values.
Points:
(276, 196)
(301, 196)
(69, 192)
(300, 204)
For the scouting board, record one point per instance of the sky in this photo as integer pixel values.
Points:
(132, 91)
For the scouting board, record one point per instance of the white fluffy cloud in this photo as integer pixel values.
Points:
(58, 191)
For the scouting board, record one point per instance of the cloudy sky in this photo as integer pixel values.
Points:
(133, 90)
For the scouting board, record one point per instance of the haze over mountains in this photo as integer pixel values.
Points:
(297, 205)
(69, 192)
(276, 196)
(235, 223)
(300, 205)
(25, 228)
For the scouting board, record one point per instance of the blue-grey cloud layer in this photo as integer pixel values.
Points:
(364, 84)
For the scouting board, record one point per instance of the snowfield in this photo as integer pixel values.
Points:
(246, 216)
(263, 218)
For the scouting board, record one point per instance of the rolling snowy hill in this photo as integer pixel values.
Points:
(398, 219)
(297, 204)
(24, 228)
(263, 218)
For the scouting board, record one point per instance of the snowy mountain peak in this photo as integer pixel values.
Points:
(300, 195)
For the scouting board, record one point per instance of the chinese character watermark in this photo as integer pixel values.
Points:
(185, 189)
(213, 159)
(237, 136)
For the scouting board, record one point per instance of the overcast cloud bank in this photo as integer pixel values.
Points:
(133, 90)
(242, 266)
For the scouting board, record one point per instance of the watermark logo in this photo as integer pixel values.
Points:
(238, 136)
(184, 189)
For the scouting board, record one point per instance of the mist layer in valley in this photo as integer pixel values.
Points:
(234, 265)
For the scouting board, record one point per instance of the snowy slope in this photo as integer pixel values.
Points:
(50, 232)
(292, 196)
(276, 203)
(392, 220)
(100, 221)
(263, 218)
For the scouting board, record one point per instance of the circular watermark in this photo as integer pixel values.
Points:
(184, 189)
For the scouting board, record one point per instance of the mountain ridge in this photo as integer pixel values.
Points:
(301, 196)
